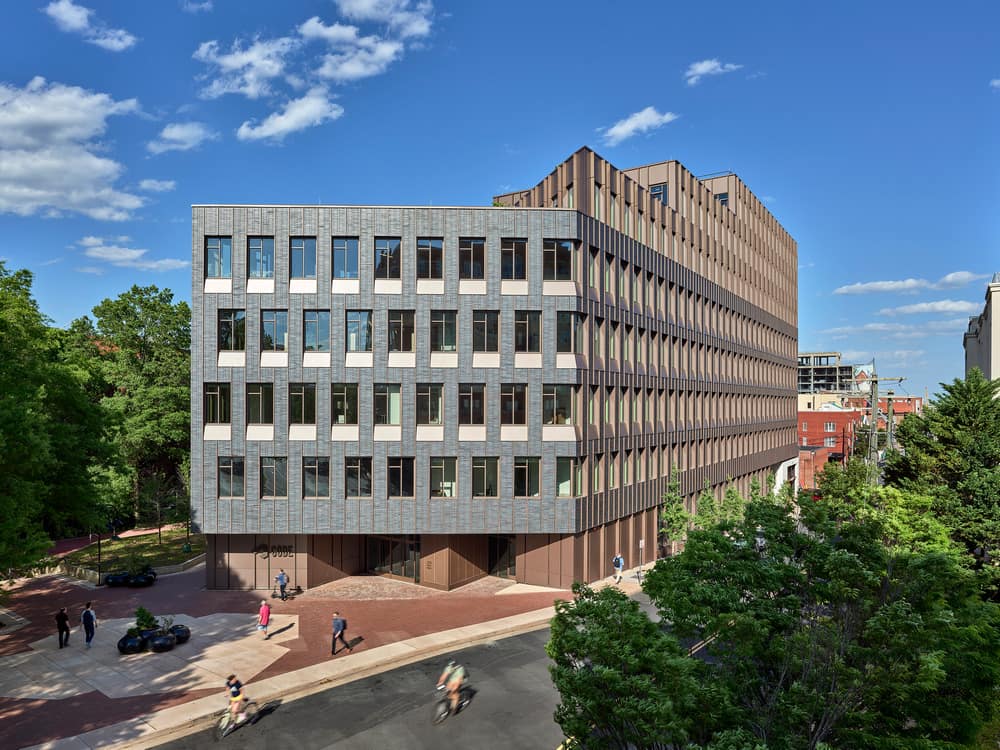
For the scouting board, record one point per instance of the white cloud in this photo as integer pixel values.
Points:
(337, 33)
(91, 270)
(48, 163)
(244, 70)
(181, 136)
(952, 280)
(402, 18)
(313, 109)
(959, 279)
(995, 83)
(157, 186)
(76, 19)
(125, 257)
(697, 70)
(948, 326)
(941, 306)
(638, 122)
(371, 59)
(189, 6)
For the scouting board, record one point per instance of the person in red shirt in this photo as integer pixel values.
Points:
(264, 618)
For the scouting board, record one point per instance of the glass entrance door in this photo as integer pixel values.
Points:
(502, 556)
(395, 556)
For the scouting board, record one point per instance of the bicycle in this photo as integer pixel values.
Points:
(442, 709)
(227, 725)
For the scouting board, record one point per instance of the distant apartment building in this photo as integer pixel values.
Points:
(982, 338)
(443, 393)
(826, 434)
(898, 405)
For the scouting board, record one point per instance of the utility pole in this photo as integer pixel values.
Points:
(873, 472)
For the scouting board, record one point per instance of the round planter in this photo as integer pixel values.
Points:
(181, 633)
(162, 642)
(130, 644)
(148, 635)
(142, 579)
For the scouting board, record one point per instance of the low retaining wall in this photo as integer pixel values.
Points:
(86, 574)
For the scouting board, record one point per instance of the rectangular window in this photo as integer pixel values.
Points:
(273, 476)
(567, 483)
(430, 263)
(597, 201)
(260, 403)
(558, 258)
(443, 481)
(557, 404)
(345, 257)
(569, 332)
(358, 476)
(401, 336)
(302, 403)
(429, 406)
(274, 330)
(388, 405)
(723, 199)
(513, 259)
(443, 330)
(829, 427)
(388, 258)
(526, 476)
(303, 257)
(232, 330)
(485, 331)
(315, 476)
(231, 475)
(484, 476)
(217, 403)
(609, 272)
(344, 401)
(659, 192)
(472, 403)
(359, 331)
(218, 257)
(260, 257)
(830, 442)
(316, 330)
(527, 331)
(471, 258)
(399, 476)
(513, 403)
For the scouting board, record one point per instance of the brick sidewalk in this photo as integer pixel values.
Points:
(365, 601)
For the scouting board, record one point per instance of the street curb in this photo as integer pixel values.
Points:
(423, 647)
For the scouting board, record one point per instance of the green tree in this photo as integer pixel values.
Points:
(145, 339)
(848, 623)
(674, 516)
(623, 681)
(25, 424)
(953, 453)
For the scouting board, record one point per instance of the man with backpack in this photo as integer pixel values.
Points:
(339, 626)
(282, 580)
(618, 563)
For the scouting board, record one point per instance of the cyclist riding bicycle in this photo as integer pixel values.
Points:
(453, 677)
(237, 698)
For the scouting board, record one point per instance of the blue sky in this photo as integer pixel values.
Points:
(870, 130)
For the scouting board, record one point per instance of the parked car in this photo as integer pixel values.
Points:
(144, 577)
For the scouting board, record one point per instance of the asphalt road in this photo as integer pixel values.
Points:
(512, 708)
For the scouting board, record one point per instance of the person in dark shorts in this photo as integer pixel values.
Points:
(62, 623)
(339, 626)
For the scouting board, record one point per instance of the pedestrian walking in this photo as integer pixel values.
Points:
(264, 617)
(62, 623)
(339, 627)
(618, 563)
(89, 621)
(282, 580)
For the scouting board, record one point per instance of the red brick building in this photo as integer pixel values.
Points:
(825, 435)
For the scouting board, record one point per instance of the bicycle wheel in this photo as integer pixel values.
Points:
(441, 710)
(223, 726)
(251, 711)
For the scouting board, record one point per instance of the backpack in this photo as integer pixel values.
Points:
(618, 562)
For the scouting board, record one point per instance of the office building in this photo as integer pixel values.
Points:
(982, 339)
(442, 393)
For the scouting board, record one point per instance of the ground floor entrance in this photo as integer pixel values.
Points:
(394, 555)
(502, 556)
